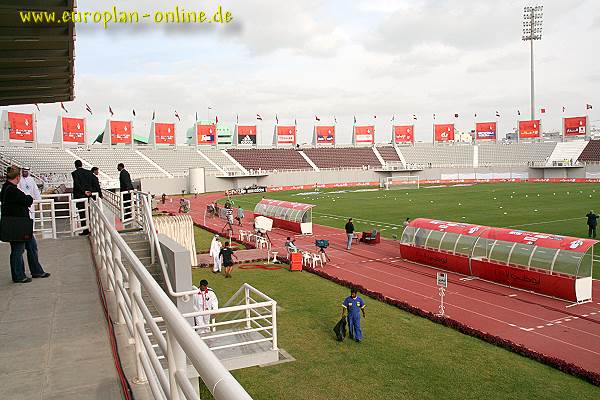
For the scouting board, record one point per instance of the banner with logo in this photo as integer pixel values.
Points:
(404, 134)
(246, 134)
(20, 126)
(246, 190)
(485, 131)
(285, 135)
(164, 133)
(364, 134)
(325, 134)
(120, 132)
(575, 126)
(73, 130)
(529, 129)
(206, 134)
(443, 132)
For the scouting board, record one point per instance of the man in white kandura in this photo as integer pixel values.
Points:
(215, 250)
(204, 300)
(28, 186)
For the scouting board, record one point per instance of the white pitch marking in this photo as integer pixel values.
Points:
(467, 279)
(512, 324)
(549, 324)
(526, 329)
(558, 322)
(584, 315)
(567, 320)
(592, 313)
(512, 295)
(540, 326)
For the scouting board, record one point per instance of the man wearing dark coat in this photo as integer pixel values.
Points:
(83, 186)
(125, 185)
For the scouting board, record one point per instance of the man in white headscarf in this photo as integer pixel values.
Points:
(215, 250)
(204, 300)
(28, 186)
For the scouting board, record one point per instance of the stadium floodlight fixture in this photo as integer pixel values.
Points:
(532, 30)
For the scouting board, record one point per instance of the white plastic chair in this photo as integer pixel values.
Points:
(306, 259)
(316, 258)
(242, 234)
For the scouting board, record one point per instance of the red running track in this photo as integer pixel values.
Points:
(537, 326)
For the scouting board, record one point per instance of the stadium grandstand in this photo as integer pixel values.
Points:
(270, 165)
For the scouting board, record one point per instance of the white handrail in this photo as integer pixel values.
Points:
(153, 234)
(182, 341)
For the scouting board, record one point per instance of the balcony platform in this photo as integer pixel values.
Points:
(53, 338)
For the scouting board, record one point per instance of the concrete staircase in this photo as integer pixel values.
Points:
(248, 355)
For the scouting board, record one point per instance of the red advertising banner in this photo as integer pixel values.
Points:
(120, 132)
(20, 126)
(73, 130)
(164, 133)
(364, 134)
(404, 134)
(575, 126)
(207, 134)
(286, 135)
(486, 131)
(246, 134)
(443, 132)
(325, 134)
(529, 129)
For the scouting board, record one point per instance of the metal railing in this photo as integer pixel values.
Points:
(178, 341)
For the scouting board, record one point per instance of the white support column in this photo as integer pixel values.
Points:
(234, 161)
(308, 160)
(378, 155)
(149, 161)
(176, 361)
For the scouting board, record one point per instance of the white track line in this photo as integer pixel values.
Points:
(524, 314)
(470, 311)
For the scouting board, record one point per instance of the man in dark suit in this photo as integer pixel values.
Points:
(125, 185)
(96, 182)
(82, 189)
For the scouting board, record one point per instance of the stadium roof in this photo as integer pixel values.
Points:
(37, 59)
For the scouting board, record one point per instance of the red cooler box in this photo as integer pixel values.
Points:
(296, 262)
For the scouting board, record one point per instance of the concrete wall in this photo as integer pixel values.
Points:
(215, 184)
(159, 186)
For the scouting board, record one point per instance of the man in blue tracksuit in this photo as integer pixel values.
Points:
(354, 305)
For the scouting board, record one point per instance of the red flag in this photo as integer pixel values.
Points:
(216, 119)
(543, 111)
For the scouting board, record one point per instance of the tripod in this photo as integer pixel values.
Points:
(322, 251)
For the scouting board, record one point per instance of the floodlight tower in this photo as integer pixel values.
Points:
(532, 30)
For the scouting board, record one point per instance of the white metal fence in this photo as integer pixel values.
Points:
(178, 341)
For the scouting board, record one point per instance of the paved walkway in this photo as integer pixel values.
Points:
(53, 338)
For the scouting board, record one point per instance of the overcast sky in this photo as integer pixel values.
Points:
(301, 58)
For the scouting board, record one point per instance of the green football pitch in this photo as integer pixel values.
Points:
(404, 356)
(558, 208)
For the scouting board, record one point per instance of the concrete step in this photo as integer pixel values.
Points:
(142, 252)
(245, 356)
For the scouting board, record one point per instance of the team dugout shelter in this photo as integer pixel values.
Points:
(552, 265)
(288, 215)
